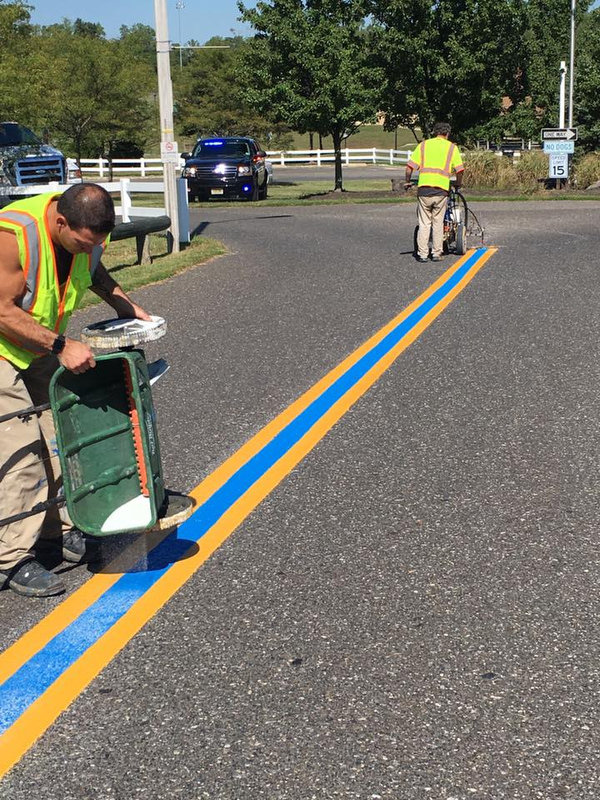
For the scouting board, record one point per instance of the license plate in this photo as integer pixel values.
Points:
(216, 191)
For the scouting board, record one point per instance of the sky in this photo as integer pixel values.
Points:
(200, 19)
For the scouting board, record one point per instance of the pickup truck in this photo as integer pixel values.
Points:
(25, 160)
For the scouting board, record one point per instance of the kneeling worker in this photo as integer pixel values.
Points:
(435, 159)
(50, 252)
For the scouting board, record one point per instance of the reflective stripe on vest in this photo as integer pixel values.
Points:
(445, 171)
(48, 303)
(436, 156)
(31, 238)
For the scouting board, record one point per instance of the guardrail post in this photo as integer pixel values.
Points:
(143, 167)
(282, 159)
(101, 167)
(374, 155)
(391, 157)
(318, 158)
(125, 200)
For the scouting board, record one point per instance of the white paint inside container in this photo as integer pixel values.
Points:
(132, 515)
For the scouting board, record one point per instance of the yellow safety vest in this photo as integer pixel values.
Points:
(28, 220)
(436, 159)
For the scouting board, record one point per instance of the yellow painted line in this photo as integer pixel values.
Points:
(44, 711)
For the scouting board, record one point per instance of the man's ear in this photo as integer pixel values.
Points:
(61, 221)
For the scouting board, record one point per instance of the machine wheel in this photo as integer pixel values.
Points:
(177, 508)
(461, 239)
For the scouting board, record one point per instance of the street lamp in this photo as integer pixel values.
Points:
(179, 5)
(572, 64)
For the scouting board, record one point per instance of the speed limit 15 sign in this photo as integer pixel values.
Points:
(559, 165)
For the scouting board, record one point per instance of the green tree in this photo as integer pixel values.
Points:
(210, 100)
(452, 60)
(139, 43)
(587, 81)
(308, 67)
(91, 29)
(93, 95)
(16, 31)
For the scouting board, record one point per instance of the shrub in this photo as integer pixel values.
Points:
(587, 170)
(486, 170)
(532, 168)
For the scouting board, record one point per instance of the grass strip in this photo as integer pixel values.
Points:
(120, 260)
(319, 192)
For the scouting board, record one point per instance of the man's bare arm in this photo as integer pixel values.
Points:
(109, 290)
(18, 326)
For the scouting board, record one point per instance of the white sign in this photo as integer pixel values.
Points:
(169, 153)
(559, 147)
(559, 165)
(564, 134)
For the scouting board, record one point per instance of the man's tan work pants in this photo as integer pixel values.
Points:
(431, 212)
(29, 466)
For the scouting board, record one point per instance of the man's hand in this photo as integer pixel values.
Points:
(137, 312)
(106, 287)
(76, 357)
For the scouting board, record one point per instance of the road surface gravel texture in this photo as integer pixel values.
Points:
(413, 613)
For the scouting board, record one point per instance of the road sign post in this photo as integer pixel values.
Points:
(559, 144)
(556, 147)
(559, 166)
(559, 134)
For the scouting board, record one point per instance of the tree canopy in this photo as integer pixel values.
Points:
(310, 67)
(490, 67)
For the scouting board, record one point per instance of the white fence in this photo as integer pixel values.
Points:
(125, 188)
(370, 155)
(146, 166)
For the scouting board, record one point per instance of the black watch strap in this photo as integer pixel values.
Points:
(58, 345)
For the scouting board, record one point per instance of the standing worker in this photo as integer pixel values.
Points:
(50, 252)
(435, 159)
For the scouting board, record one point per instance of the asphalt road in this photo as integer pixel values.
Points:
(413, 612)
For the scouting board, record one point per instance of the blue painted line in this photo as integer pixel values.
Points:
(19, 691)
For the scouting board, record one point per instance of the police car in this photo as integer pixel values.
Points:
(226, 167)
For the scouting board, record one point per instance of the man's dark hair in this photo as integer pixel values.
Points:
(441, 129)
(87, 205)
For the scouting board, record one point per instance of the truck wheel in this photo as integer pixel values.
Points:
(264, 190)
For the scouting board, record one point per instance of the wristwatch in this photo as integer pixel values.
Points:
(58, 345)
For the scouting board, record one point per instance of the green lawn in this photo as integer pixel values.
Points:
(367, 136)
(120, 258)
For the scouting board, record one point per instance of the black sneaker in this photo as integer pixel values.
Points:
(421, 260)
(31, 580)
(77, 547)
(437, 258)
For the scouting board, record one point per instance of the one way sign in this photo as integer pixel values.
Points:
(560, 134)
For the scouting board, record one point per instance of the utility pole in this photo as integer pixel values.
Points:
(165, 103)
(561, 95)
(572, 64)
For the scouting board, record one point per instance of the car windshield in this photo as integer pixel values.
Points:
(220, 148)
(12, 134)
